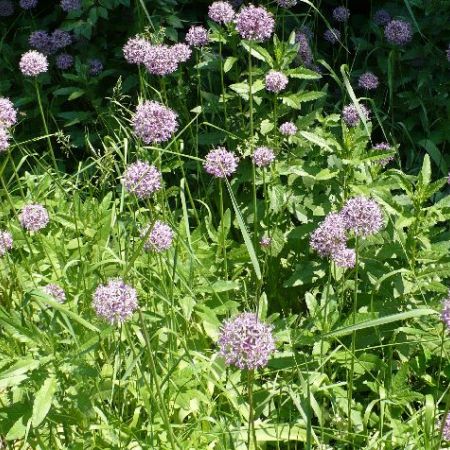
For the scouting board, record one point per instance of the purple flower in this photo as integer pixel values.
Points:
(6, 8)
(350, 114)
(330, 236)
(368, 81)
(263, 156)
(28, 4)
(40, 40)
(154, 122)
(33, 63)
(115, 301)
(265, 242)
(221, 163)
(95, 66)
(33, 217)
(446, 428)
(341, 14)
(382, 146)
(304, 50)
(6, 242)
(8, 114)
(344, 257)
(286, 3)
(181, 52)
(245, 342)
(160, 60)
(64, 61)
(448, 53)
(398, 32)
(362, 215)
(55, 291)
(382, 17)
(4, 139)
(255, 23)
(136, 49)
(221, 12)
(70, 5)
(332, 36)
(288, 129)
(142, 179)
(60, 39)
(276, 81)
(197, 36)
(159, 239)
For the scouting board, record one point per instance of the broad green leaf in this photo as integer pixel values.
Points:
(43, 401)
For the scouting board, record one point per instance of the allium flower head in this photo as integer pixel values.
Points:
(4, 139)
(221, 163)
(33, 217)
(381, 17)
(341, 14)
(8, 114)
(276, 81)
(95, 67)
(181, 52)
(263, 156)
(332, 36)
(159, 239)
(330, 236)
(70, 5)
(382, 146)
(28, 4)
(362, 215)
(6, 8)
(304, 51)
(350, 114)
(115, 301)
(344, 257)
(136, 49)
(142, 179)
(197, 36)
(368, 81)
(160, 60)
(40, 40)
(446, 428)
(265, 242)
(154, 122)
(286, 3)
(221, 12)
(6, 242)
(255, 23)
(398, 32)
(288, 129)
(245, 342)
(60, 39)
(33, 63)
(64, 61)
(55, 291)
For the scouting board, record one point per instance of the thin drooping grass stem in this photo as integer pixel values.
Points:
(222, 232)
(251, 436)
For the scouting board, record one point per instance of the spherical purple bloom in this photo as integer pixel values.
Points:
(344, 257)
(40, 40)
(381, 17)
(351, 116)
(197, 36)
(221, 12)
(70, 5)
(159, 239)
(332, 36)
(445, 316)
(276, 81)
(398, 32)
(368, 81)
(341, 14)
(160, 60)
(115, 301)
(4, 139)
(265, 242)
(245, 342)
(255, 23)
(60, 39)
(382, 146)
(330, 236)
(8, 114)
(288, 129)
(221, 163)
(136, 49)
(55, 291)
(446, 428)
(64, 61)
(6, 242)
(362, 215)
(181, 52)
(142, 179)
(6, 8)
(33, 217)
(95, 67)
(154, 122)
(448, 53)
(304, 50)
(263, 156)
(33, 63)
(286, 3)
(28, 4)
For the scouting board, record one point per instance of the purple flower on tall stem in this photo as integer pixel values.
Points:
(332, 36)
(160, 59)
(181, 52)
(329, 237)
(40, 40)
(398, 32)
(341, 14)
(382, 146)
(288, 129)
(446, 428)
(221, 12)
(136, 49)
(276, 81)
(197, 36)
(263, 156)
(368, 81)
(363, 216)
(6, 242)
(382, 17)
(95, 67)
(8, 114)
(351, 116)
(4, 139)
(304, 51)
(221, 163)
(159, 239)
(33, 217)
(142, 179)
(255, 23)
(55, 291)
(344, 257)
(33, 63)
(64, 61)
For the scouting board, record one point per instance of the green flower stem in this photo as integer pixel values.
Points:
(251, 437)
(222, 226)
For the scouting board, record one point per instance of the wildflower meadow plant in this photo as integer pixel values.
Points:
(6, 242)
(158, 238)
(33, 63)
(263, 156)
(276, 81)
(362, 215)
(142, 179)
(288, 129)
(34, 217)
(221, 12)
(351, 117)
(398, 32)
(221, 163)
(255, 23)
(55, 291)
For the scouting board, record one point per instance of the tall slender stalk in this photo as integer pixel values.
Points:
(251, 436)
(222, 232)
(222, 82)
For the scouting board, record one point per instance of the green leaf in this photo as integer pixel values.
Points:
(43, 401)
(258, 52)
(295, 100)
(229, 63)
(303, 73)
